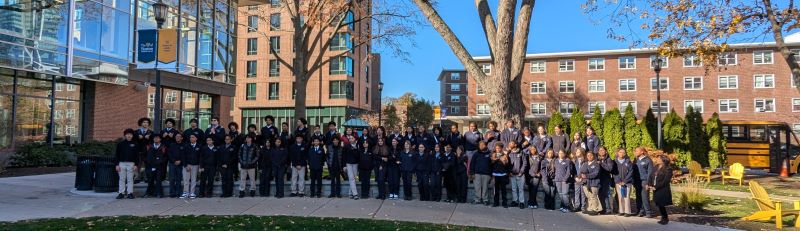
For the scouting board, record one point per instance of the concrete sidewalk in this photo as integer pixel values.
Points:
(48, 196)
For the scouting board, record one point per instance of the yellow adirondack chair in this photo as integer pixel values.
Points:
(769, 209)
(735, 171)
(695, 170)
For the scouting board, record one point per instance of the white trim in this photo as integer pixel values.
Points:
(735, 59)
(530, 88)
(728, 77)
(478, 106)
(574, 86)
(561, 103)
(774, 107)
(702, 104)
(697, 63)
(544, 66)
(634, 104)
(771, 57)
(663, 109)
(693, 82)
(755, 76)
(793, 99)
(662, 78)
(589, 64)
(589, 84)
(619, 85)
(619, 63)
(483, 92)
(664, 63)
(565, 65)
(543, 104)
(591, 109)
(719, 106)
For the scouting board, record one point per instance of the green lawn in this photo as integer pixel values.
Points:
(773, 185)
(221, 223)
(726, 212)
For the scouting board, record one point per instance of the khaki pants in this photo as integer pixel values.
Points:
(624, 199)
(481, 185)
(298, 185)
(592, 199)
(125, 177)
(352, 172)
(190, 178)
(243, 174)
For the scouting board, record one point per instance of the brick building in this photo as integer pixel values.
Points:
(753, 83)
(453, 92)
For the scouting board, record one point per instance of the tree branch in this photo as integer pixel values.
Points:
(521, 38)
(487, 21)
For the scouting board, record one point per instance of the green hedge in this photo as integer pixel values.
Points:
(42, 155)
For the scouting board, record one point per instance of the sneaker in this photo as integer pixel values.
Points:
(130, 196)
(663, 222)
(120, 196)
(563, 210)
(252, 193)
(301, 194)
(241, 194)
(292, 194)
(532, 206)
(514, 203)
(355, 197)
(184, 196)
(192, 196)
(521, 206)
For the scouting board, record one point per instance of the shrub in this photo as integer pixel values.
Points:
(40, 155)
(716, 141)
(597, 121)
(613, 132)
(577, 123)
(693, 196)
(556, 119)
(647, 140)
(697, 143)
(675, 138)
(633, 133)
(95, 148)
(651, 121)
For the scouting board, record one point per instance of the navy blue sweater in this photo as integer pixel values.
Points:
(624, 171)
(316, 157)
(481, 163)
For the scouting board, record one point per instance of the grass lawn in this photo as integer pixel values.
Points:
(222, 223)
(725, 212)
(774, 185)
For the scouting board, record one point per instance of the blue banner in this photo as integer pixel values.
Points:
(146, 47)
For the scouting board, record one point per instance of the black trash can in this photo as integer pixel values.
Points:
(106, 178)
(84, 174)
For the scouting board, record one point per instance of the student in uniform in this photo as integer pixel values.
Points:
(662, 194)
(330, 134)
(248, 160)
(623, 181)
(265, 168)
(408, 135)
(527, 138)
(351, 158)
(302, 129)
(238, 137)
(380, 133)
(194, 130)
(607, 170)
(408, 164)
(365, 137)
(393, 169)
(534, 175)
(156, 156)
(500, 170)
(589, 176)
(519, 163)
(216, 132)
(279, 158)
(176, 152)
(298, 157)
(460, 172)
(191, 167)
(564, 173)
(437, 168)
(471, 139)
(492, 135)
(577, 143)
(511, 133)
(548, 172)
(560, 140)
(382, 155)
(454, 139)
(644, 169)
(481, 168)
(127, 157)
(208, 168)
(317, 133)
(335, 165)
(169, 132)
(269, 132)
(448, 162)
(227, 165)
(316, 162)
(424, 138)
(422, 172)
(397, 135)
(437, 137)
(366, 163)
(592, 141)
(143, 137)
(579, 200)
(542, 141)
(284, 135)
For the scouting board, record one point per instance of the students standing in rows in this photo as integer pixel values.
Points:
(393, 171)
(564, 174)
(408, 164)
(248, 160)
(623, 181)
(208, 168)
(365, 137)
(269, 132)
(548, 172)
(577, 143)
(448, 163)
(216, 132)
(351, 159)
(534, 175)
(127, 157)
(662, 194)
(169, 132)
(366, 161)
(579, 200)
(191, 166)
(608, 168)
(480, 167)
(592, 142)
(381, 152)
(265, 166)
(330, 133)
(519, 163)
(176, 152)
(227, 165)
(279, 158)
(644, 169)
(527, 138)
(461, 178)
(193, 130)
(560, 140)
(542, 141)
(335, 165)
(454, 139)
(316, 161)
(298, 158)
(437, 161)
(589, 176)
(511, 133)
(500, 170)
(491, 135)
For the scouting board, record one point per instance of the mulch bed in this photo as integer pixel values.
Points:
(13, 172)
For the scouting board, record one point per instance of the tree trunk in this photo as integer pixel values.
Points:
(777, 33)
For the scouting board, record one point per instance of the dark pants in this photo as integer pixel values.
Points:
(424, 185)
(663, 211)
(154, 187)
(175, 180)
(436, 186)
(316, 182)
(644, 198)
(549, 189)
(280, 176)
(450, 185)
(207, 181)
(380, 178)
(606, 201)
(263, 182)
(461, 181)
(500, 190)
(408, 176)
(227, 180)
(363, 177)
(533, 190)
(394, 180)
(336, 181)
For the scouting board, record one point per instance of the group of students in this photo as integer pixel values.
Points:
(576, 171)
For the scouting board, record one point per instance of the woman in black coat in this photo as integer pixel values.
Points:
(662, 194)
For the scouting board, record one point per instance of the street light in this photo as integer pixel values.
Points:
(380, 104)
(657, 68)
(160, 12)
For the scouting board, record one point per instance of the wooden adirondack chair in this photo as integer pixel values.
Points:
(695, 170)
(735, 171)
(769, 209)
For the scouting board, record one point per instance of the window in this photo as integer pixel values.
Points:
(664, 84)
(341, 41)
(566, 65)
(250, 91)
(275, 21)
(252, 23)
(696, 104)
(274, 45)
(252, 46)
(479, 90)
(566, 107)
(597, 86)
(486, 68)
(484, 109)
(597, 64)
(627, 62)
(340, 89)
(151, 99)
(274, 68)
(274, 91)
(455, 98)
(538, 108)
(455, 110)
(599, 105)
(59, 86)
(538, 87)
(726, 59)
(728, 105)
(693, 83)
(70, 130)
(538, 66)
(796, 128)
(275, 3)
(664, 61)
(624, 104)
(664, 106)
(72, 87)
(795, 54)
(455, 76)
(691, 60)
(455, 87)
(764, 81)
(171, 97)
(57, 114)
(188, 97)
(627, 85)
(341, 65)
(566, 86)
(251, 67)
(795, 105)
(762, 57)
(765, 105)
(728, 82)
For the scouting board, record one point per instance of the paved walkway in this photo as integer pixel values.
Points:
(48, 196)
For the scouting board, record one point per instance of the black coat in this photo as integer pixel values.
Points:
(248, 157)
(662, 196)
(268, 133)
(177, 152)
(218, 136)
(298, 155)
(192, 154)
(208, 156)
(481, 163)
(366, 160)
(316, 158)
(279, 157)
(227, 156)
(197, 133)
(128, 151)
(156, 156)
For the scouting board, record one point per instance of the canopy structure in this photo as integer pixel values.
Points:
(356, 123)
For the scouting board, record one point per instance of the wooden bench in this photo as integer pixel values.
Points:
(735, 171)
(695, 170)
(770, 209)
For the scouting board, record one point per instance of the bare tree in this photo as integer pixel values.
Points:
(507, 39)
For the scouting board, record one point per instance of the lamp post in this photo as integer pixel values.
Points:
(160, 12)
(380, 104)
(657, 68)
